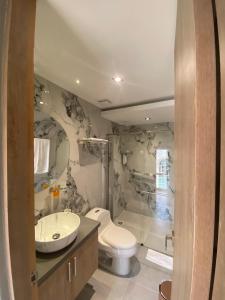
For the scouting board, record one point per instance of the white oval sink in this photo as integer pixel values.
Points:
(56, 231)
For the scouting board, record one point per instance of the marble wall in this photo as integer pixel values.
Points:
(133, 170)
(132, 159)
(83, 182)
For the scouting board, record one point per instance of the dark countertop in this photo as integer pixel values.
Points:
(47, 263)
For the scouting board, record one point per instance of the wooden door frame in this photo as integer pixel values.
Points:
(193, 264)
(6, 285)
(17, 80)
(218, 285)
(195, 138)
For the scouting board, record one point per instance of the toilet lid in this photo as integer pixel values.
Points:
(118, 237)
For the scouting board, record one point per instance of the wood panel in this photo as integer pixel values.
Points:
(83, 262)
(86, 263)
(57, 286)
(6, 290)
(20, 147)
(195, 138)
(219, 283)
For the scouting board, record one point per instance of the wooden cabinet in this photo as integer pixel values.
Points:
(66, 282)
(57, 286)
(85, 262)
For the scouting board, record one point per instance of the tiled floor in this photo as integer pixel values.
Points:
(143, 286)
(147, 230)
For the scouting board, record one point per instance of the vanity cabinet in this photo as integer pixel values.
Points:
(57, 286)
(66, 282)
(85, 262)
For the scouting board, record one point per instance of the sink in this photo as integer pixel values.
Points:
(56, 231)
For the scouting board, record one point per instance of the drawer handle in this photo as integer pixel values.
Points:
(69, 271)
(75, 266)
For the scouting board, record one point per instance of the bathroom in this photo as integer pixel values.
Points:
(103, 155)
(113, 203)
(107, 161)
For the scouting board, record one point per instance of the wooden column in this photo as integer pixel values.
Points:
(219, 283)
(20, 93)
(195, 139)
(6, 289)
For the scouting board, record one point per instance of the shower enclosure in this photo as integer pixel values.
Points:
(141, 187)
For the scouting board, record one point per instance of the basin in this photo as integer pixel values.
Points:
(56, 231)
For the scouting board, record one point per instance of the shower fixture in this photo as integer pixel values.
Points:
(93, 140)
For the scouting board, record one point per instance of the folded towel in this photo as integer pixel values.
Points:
(41, 155)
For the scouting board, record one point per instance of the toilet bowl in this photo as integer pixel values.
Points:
(116, 242)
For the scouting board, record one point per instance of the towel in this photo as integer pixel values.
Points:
(41, 155)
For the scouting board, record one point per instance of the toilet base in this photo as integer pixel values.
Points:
(115, 265)
(121, 266)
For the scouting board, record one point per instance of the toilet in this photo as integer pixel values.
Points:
(117, 243)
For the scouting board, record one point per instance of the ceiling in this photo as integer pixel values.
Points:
(156, 112)
(94, 40)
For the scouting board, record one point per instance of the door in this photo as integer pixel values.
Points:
(195, 144)
(17, 72)
(6, 290)
(58, 285)
(219, 284)
(84, 262)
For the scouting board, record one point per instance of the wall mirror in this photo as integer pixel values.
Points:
(51, 150)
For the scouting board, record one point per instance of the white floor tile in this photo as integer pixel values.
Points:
(138, 292)
(143, 286)
(147, 230)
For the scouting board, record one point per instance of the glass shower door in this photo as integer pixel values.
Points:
(141, 185)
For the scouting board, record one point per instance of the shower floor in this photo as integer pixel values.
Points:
(148, 231)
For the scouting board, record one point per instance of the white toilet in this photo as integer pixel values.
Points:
(117, 243)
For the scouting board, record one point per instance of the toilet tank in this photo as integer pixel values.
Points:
(101, 215)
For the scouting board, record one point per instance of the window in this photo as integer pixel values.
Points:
(162, 169)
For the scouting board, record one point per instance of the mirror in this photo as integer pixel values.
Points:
(51, 150)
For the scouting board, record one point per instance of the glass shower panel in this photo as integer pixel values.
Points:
(141, 183)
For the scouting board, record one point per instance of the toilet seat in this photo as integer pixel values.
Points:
(118, 237)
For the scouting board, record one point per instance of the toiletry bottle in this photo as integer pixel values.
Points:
(55, 194)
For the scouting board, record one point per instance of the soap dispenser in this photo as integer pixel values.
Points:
(55, 196)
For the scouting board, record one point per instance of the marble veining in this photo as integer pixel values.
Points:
(76, 112)
(84, 181)
(72, 199)
(134, 169)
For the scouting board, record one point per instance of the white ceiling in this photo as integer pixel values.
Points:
(158, 112)
(93, 40)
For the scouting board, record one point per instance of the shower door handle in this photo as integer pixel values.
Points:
(169, 237)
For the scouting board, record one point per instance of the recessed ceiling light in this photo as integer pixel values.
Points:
(77, 81)
(41, 102)
(147, 118)
(117, 79)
